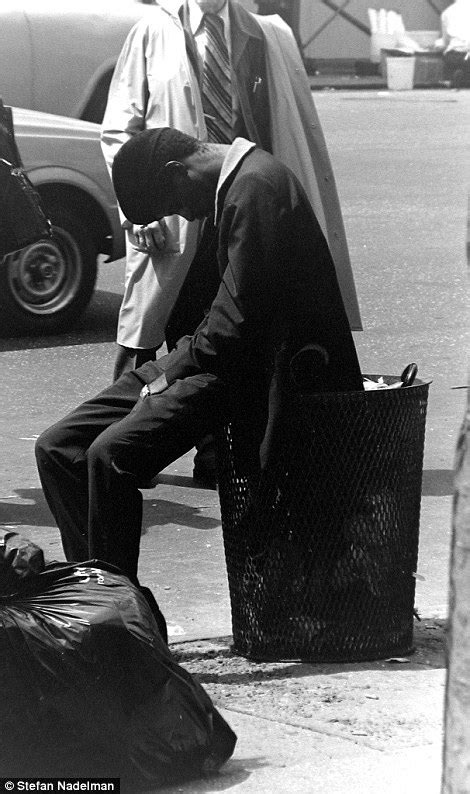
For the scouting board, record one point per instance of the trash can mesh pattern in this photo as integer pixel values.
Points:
(321, 547)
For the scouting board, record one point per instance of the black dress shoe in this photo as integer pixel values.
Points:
(147, 484)
(205, 464)
(204, 477)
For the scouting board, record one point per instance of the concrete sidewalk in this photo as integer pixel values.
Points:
(399, 161)
(272, 757)
(350, 728)
(330, 729)
(363, 728)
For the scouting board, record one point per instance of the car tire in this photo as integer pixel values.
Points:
(46, 286)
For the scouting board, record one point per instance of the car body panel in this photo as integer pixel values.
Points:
(15, 59)
(52, 54)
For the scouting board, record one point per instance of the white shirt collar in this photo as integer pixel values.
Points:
(196, 15)
(238, 150)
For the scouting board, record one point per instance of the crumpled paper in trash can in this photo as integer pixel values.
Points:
(373, 385)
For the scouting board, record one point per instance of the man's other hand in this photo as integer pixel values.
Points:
(149, 238)
(155, 387)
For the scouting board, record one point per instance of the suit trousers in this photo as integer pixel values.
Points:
(91, 462)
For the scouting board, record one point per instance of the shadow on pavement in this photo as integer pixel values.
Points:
(34, 514)
(97, 324)
(158, 512)
(438, 482)
(233, 772)
(203, 658)
(179, 480)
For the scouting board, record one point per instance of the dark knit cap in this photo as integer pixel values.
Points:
(138, 172)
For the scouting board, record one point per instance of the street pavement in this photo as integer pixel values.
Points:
(401, 164)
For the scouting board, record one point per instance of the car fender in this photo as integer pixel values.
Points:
(58, 175)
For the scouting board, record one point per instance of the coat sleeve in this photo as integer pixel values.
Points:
(128, 94)
(127, 99)
(135, 103)
(233, 339)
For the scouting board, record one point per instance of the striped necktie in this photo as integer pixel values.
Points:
(216, 82)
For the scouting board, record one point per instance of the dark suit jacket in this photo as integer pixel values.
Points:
(278, 291)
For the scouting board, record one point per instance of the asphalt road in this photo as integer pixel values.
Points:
(401, 164)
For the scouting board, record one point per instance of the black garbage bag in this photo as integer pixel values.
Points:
(19, 559)
(22, 219)
(88, 688)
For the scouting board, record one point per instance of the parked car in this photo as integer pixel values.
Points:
(46, 286)
(59, 56)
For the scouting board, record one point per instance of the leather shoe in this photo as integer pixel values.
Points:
(204, 477)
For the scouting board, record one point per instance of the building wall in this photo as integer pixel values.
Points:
(341, 39)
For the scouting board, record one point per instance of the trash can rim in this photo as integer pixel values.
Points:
(418, 382)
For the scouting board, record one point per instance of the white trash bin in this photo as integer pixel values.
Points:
(400, 73)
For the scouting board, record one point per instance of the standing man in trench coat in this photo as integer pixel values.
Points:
(157, 83)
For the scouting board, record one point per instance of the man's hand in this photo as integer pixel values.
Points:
(155, 387)
(150, 238)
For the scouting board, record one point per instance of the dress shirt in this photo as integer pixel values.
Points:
(197, 27)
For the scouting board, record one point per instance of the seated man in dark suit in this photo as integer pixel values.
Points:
(278, 293)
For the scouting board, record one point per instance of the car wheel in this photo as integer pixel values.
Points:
(46, 286)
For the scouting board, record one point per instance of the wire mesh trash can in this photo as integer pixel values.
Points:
(321, 547)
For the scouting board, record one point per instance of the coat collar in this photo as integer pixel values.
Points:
(170, 7)
(239, 149)
(244, 27)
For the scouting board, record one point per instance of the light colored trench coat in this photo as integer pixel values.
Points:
(298, 141)
(154, 54)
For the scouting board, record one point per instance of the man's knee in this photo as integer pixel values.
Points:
(99, 453)
(45, 445)
(110, 457)
(57, 446)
